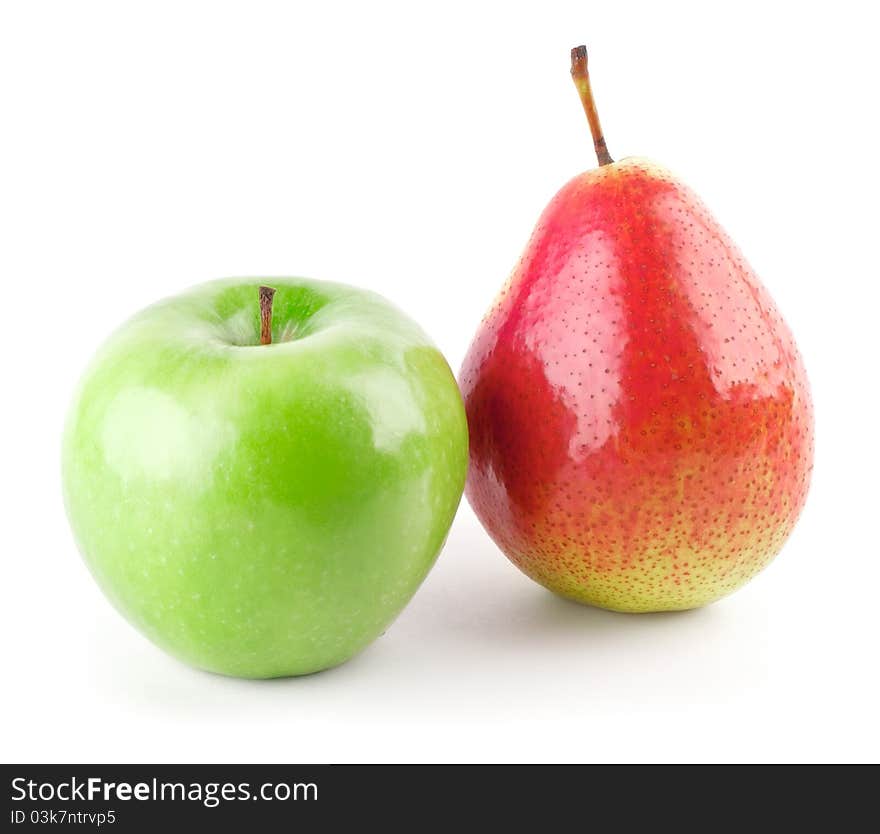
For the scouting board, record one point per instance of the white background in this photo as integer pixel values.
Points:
(409, 148)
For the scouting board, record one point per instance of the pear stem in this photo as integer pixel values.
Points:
(266, 296)
(581, 77)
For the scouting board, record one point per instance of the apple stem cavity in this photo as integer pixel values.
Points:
(266, 296)
(581, 77)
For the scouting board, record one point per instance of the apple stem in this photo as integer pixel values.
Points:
(266, 296)
(581, 77)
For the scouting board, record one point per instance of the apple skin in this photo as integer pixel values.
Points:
(264, 510)
(640, 420)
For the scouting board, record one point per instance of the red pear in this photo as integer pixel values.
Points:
(640, 419)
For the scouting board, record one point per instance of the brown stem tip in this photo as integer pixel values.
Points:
(266, 296)
(581, 77)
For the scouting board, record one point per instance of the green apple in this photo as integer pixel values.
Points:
(256, 509)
